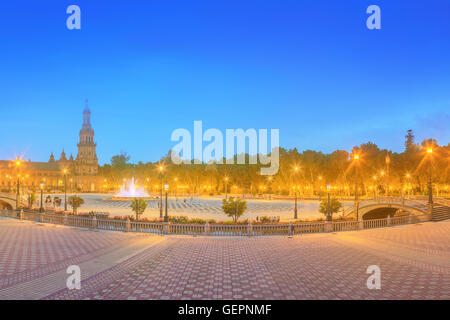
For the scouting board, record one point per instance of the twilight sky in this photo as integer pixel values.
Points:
(309, 68)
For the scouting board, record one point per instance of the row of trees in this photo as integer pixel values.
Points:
(74, 202)
(233, 208)
(307, 172)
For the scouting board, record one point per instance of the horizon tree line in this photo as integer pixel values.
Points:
(308, 173)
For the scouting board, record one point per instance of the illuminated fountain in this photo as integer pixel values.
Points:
(130, 191)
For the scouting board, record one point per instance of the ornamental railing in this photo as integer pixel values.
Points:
(207, 229)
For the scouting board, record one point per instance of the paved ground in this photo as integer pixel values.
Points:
(414, 262)
(207, 208)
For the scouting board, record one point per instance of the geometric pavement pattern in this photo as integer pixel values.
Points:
(414, 262)
(97, 202)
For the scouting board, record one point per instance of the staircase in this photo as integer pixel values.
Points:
(440, 212)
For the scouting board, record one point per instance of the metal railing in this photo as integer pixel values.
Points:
(211, 229)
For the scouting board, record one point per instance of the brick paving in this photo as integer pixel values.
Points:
(30, 250)
(414, 262)
(208, 208)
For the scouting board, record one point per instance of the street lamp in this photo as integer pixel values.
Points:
(408, 184)
(226, 187)
(375, 187)
(161, 169)
(166, 216)
(269, 181)
(176, 186)
(41, 209)
(65, 189)
(18, 163)
(295, 206)
(430, 185)
(328, 207)
(356, 159)
(8, 177)
(295, 194)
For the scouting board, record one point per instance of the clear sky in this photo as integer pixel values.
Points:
(309, 68)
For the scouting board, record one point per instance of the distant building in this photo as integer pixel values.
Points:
(82, 172)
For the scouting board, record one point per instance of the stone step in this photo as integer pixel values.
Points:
(441, 213)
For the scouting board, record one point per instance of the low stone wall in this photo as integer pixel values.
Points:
(208, 229)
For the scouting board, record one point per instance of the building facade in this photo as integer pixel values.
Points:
(80, 174)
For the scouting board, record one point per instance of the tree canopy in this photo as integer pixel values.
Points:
(75, 202)
(234, 208)
(138, 205)
(377, 169)
(335, 206)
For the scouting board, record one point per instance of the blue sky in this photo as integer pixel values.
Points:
(309, 68)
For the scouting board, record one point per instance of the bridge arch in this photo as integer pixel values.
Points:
(7, 202)
(381, 211)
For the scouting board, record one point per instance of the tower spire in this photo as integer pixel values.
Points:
(86, 161)
(86, 115)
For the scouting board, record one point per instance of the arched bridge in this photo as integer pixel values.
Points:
(384, 206)
(7, 201)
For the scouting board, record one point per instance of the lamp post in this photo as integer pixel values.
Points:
(161, 168)
(269, 179)
(383, 182)
(41, 209)
(356, 159)
(18, 163)
(176, 186)
(388, 161)
(166, 216)
(408, 184)
(18, 192)
(226, 187)
(430, 185)
(8, 177)
(320, 185)
(65, 189)
(329, 204)
(295, 194)
(295, 208)
(375, 187)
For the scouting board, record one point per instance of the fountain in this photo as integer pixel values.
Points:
(129, 192)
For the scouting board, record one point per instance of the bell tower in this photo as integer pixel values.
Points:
(87, 161)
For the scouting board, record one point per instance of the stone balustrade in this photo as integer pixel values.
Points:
(211, 229)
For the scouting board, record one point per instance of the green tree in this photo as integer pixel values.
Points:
(234, 208)
(138, 205)
(120, 161)
(409, 143)
(335, 206)
(31, 199)
(75, 202)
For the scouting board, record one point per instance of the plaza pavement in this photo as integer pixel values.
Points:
(414, 262)
(208, 207)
